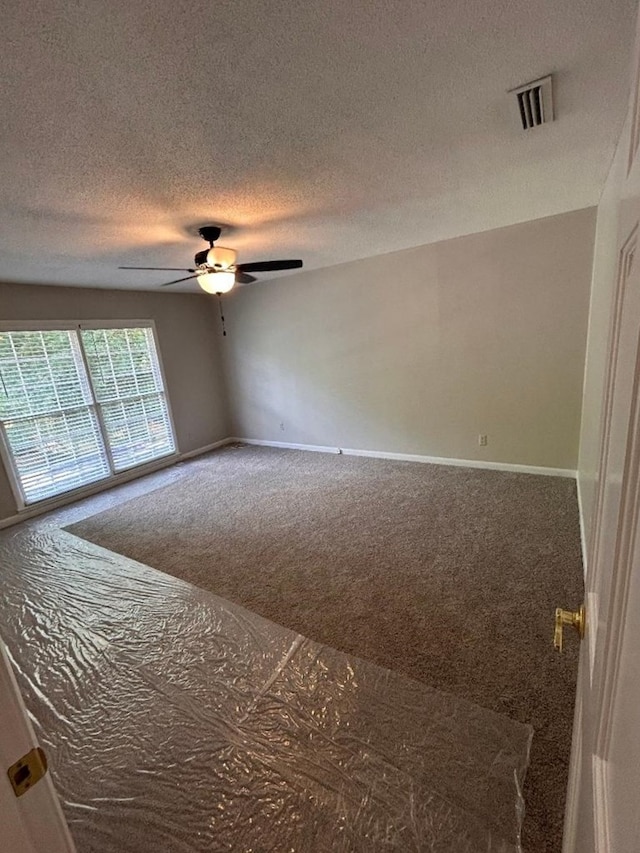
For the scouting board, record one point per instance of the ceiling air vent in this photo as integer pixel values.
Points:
(534, 103)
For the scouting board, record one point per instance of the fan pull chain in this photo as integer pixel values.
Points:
(224, 331)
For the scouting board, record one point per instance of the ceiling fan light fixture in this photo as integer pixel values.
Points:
(221, 258)
(217, 282)
(216, 269)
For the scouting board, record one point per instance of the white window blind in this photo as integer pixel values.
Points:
(78, 406)
(128, 387)
(46, 409)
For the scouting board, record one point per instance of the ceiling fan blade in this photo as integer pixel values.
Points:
(165, 269)
(167, 283)
(244, 278)
(268, 266)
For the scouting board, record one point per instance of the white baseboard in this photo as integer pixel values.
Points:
(119, 480)
(414, 457)
(583, 534)
(285, 445)
(206, 449)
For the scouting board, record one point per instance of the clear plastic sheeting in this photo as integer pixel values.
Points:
(176, 721)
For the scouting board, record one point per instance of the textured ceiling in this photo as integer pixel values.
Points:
(326, 130)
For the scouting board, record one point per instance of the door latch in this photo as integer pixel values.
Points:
(576, 618)
(27, 771)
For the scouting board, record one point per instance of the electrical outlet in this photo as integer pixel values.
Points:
(482, 440)
(282, 428)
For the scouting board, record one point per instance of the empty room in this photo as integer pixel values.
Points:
(319, 418)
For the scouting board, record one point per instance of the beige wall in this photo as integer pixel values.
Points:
(188, 335)
(422, 350)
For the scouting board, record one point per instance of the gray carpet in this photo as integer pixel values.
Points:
(449, 575)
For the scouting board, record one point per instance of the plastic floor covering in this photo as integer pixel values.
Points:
(177, 721)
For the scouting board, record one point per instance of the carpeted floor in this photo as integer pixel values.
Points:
(449, 575)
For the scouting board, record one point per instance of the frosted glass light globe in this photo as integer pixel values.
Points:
(217, 282)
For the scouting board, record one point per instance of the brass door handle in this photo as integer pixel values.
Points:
(568, 617)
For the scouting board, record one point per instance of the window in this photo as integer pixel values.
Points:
(79, 405)
(126, 378)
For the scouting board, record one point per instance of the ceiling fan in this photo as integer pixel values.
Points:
(216, 268)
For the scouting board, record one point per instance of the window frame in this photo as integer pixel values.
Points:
(115, 476)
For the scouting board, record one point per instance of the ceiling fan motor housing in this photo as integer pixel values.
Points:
(217, 257)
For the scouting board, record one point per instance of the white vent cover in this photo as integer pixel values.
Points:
(534, 103)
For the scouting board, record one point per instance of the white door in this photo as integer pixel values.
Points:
(603, 811)
(32, 822)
